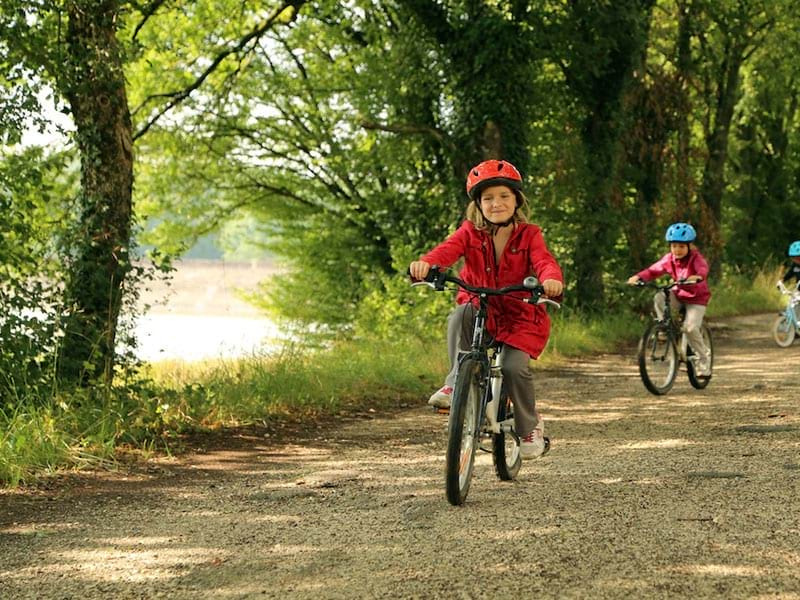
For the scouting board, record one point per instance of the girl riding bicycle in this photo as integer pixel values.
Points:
(683, 263)
(500, 248)
(794, 269)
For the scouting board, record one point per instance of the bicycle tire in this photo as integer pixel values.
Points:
(783, 331)
(463, 431)
(505, 446)
(697, 381)
(658, 360)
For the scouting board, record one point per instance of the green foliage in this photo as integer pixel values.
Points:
(576, 335)
(295, 383)
(31, 189)
(170, 398)
(741, 293)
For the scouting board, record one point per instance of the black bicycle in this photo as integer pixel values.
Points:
(480, 404)
(664, 346)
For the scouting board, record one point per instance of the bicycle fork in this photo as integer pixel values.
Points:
(491, 425)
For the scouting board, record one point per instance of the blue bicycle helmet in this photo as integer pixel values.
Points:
(681, 232)
(794, 249)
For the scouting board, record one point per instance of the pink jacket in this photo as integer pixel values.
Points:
(519, 324)
(692, 264)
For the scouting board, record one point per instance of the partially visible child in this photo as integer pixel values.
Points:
(500, 248)
(683, 262)
(794, 269)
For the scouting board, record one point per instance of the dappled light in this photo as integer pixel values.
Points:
(687, 493)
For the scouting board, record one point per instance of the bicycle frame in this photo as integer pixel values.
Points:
(491, 374)
(790, 312)
(676, 336)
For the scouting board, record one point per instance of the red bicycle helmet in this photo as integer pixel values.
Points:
(492, 172)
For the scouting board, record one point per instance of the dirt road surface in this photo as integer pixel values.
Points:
(691, 495)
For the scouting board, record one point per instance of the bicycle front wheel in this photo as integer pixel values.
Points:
(783, 331)
(505, 445)
(696, 380)
(463, 430)
(658, 360)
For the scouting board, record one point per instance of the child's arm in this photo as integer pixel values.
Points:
(544, 264)
(443, 255)
(657, 269)
(700, 268)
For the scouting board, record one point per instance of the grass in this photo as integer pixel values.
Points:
(739, 294)
(169, 398)
(258, 388)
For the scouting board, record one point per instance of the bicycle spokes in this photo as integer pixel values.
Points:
(658, 360)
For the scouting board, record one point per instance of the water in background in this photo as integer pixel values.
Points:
(201, 315)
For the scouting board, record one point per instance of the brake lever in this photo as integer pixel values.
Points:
(548, 301)
(541, 300)
(430, 284)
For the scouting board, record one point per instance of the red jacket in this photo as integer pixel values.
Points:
(518, 324)
(692, 264)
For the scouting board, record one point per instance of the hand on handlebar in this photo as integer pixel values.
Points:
(634, 280)
(419, 269)
(552, 288)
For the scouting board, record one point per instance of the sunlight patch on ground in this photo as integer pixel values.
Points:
(276, 519)
(38, 528)
(291, 549)
(584, 418)
(111, 564)
(723, 570)
(648, 445)
(137, 541)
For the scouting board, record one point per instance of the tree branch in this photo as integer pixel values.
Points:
(405, 129)
(147, 12)
(176, 97)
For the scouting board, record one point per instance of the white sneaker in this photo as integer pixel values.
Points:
(441, 397)
(534, 445)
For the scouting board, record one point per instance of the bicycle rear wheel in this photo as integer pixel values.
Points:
(505, 445)
(783, 331)
(658, 359)
(463, 431)
(696, 380)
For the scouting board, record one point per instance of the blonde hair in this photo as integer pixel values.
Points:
(475, 216)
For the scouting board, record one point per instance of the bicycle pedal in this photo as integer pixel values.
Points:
(441, 411)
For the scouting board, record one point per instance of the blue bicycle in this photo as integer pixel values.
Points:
(786, 325)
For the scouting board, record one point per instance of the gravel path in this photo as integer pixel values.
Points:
(693, 495)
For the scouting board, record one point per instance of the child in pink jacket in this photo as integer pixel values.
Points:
(684, 262)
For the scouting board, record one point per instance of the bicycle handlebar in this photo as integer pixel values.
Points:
(668, 286)
(437, 278)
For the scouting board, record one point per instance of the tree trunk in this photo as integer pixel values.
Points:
(95, 88)
(713, 185)
(600, 91)
(683, 188)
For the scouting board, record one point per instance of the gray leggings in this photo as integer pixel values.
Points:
(514, 363)
(691, 323)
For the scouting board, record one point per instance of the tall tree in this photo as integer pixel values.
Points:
(87, 68)
(600, 46)
(93, 81)
(729, 33)
(490, 53)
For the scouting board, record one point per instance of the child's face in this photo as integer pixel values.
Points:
(678, 249)
(796, 260)
(498, 203)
